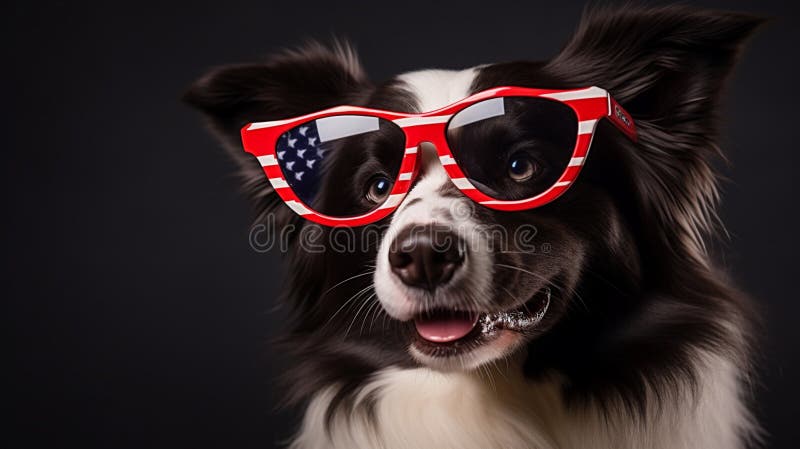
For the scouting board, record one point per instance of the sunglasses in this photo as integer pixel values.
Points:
(506, 148)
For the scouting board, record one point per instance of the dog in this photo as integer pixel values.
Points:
(610, 326)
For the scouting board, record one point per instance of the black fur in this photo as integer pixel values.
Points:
(668, 67)
(638, 291)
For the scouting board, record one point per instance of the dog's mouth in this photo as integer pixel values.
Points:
(447, 333)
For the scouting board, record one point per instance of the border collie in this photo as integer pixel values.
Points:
(614, 329)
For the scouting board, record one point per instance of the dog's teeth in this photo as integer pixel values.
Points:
(516, 320)
(489, 324)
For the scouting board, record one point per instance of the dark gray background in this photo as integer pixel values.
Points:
(137, 313)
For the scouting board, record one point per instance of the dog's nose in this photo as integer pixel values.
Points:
(426, 256)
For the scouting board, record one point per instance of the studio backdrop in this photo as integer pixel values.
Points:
(138, 312)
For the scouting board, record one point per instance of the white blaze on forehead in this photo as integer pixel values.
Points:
(426, 204)
(434, 89)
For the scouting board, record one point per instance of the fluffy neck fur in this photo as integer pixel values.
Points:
(499, 408)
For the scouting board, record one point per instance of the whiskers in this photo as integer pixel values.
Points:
(371, 307)
(363, 301)
(584, 269)
(359, 275)
(548, 283)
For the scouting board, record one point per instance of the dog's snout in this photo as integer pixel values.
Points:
(426, 256)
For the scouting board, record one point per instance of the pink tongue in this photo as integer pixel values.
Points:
(442, 329)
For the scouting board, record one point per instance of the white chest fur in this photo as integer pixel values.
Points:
(421, 409)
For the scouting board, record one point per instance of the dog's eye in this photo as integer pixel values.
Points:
(522, 168)
(378, 189)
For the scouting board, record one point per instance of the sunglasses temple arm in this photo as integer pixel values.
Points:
(621, 118)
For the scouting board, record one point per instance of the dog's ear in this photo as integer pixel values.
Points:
(667, 66)
(285, 85)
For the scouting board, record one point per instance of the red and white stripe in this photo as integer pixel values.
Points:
(590, 105)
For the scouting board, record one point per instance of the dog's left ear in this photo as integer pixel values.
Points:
(287, 84)
(666, 66)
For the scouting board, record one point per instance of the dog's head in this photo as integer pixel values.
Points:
(449, 284)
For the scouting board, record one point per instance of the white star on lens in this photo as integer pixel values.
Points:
(289, 165)
(310, 163)
(300, 153)
(299, 175)
(303, 130)
(291, 142)
(312, 141)
(320, 152)
(280, 154)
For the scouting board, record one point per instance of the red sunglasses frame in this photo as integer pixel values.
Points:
(590, 105)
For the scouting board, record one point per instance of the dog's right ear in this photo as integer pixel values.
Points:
(288, 84)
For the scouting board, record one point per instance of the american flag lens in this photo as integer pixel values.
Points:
(513, 148)
(332, 163)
